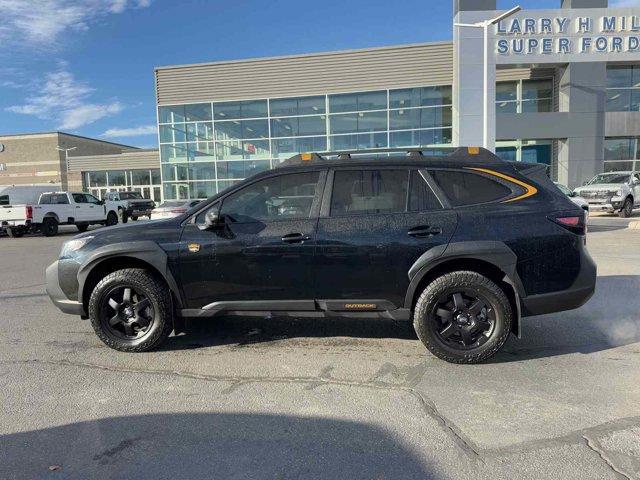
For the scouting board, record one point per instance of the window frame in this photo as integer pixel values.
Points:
(509, 185)
(217, 201)
(325, 207)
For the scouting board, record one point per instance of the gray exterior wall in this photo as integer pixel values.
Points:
(137, 159)
(332, 72)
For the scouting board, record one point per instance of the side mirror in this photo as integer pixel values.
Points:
(211, 220)
(635, 181)
(572, 194)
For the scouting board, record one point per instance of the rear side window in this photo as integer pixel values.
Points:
(421, 197)
(465, 188)
(54, 199)
(369, 191)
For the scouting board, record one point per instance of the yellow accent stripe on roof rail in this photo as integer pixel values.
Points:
(530, 189)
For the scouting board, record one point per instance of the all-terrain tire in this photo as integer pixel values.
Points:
(15, 232)
(627, 209)
(49, 227)
(154, 289)
(425, 324)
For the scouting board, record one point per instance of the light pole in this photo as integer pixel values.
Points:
(485, 24)
(66, 159)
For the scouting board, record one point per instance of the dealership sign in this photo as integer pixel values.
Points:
(568, 35)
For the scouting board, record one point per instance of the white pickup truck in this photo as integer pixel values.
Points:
(71, 208)
(15, 220)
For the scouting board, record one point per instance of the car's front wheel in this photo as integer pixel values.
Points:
(627, 209)
(463, 317)
(130, 310)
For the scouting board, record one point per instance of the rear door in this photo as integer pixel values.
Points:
(374, 224)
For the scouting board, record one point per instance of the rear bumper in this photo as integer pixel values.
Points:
(56, 294)
(575, 296)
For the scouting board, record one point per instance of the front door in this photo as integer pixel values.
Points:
(263, 248)
(81, 210)
(378, 223)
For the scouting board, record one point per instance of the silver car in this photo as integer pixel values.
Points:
(612, 192)
(172, 208)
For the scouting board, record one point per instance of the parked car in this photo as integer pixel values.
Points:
(579, 201)
(15, 220)
(612, 192)
(462, 245)
(172, 209)
(70, 208)
(15, 208)
(131, 205)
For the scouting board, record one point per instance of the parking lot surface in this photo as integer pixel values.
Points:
(298, 398)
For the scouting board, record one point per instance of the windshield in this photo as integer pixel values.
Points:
(609, 178)
(130, 196)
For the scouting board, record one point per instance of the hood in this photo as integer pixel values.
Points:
(167, 230)
(598, 186)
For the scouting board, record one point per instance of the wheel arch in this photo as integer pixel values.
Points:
(53, 215)
(495, 260)
(111, 258)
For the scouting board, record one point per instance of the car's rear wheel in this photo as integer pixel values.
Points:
(49, 227)
(627, 209)
(134, 218)
(130, 310)
(463, 317)
(112, 219)
(82, 227)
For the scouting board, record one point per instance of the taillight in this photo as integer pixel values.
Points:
(29, 212)
(574, 222)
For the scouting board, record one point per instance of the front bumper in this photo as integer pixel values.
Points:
(56, 294)
(575, 296)
(611, 204)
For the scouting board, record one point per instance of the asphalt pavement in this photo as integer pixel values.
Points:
(299, 398)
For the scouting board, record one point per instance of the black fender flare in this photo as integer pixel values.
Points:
(146, 251)
(495, 253)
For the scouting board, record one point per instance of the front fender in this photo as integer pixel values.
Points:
(146, 251)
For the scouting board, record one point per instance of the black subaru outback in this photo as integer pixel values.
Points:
(462, 244)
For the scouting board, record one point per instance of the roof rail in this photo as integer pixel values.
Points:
(442, 152)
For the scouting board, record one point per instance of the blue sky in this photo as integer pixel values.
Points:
(86, 66)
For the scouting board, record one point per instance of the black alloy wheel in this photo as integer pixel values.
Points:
(465, 319)
(127, 313)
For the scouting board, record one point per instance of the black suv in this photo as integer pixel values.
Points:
(462, 244)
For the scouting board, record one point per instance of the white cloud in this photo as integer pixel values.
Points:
(66, 101)
(42, 22)
(131, 132)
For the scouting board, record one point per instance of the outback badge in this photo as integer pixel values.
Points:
(194, 247)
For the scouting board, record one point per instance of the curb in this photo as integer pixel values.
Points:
(635, 225)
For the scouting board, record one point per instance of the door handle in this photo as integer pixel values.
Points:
(424, 231)
(77, 206)
(295, 238)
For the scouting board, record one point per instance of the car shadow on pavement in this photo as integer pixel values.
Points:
(611, 318)
(208, 445)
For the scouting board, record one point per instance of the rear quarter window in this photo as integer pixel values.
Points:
(466, 188)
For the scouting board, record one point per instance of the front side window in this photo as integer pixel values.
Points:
(369, 191)
(465, 188)
(91, 199)
(276, 198)
(79, 198)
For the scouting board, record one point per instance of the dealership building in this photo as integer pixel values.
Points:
(564, 86)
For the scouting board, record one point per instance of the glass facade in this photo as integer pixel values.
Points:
(531, 151)
(145, 181)
(623, 88)
(207, 147)
(524, 96)
(621, 153)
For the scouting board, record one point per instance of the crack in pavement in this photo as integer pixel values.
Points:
(595, 446)
(467, 446)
